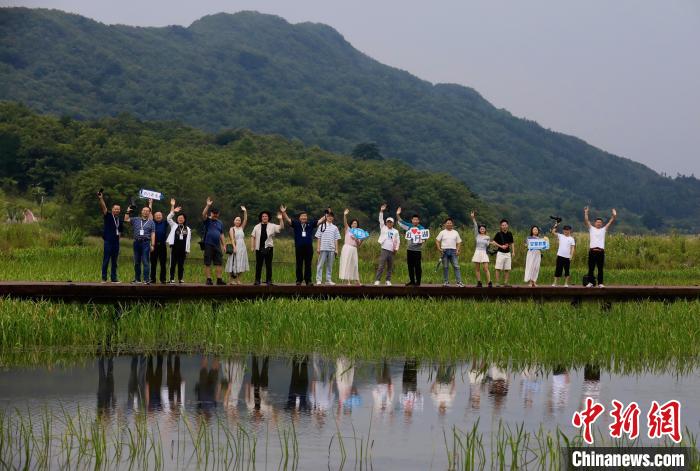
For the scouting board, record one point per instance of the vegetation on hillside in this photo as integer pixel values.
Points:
(71, 160)
(306, 81)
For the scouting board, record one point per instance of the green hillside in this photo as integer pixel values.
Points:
(71, 160)
(305, 81)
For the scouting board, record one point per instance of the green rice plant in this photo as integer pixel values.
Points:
(627, 337)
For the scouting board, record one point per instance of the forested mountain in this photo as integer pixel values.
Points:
(305, 81)
(73, 159)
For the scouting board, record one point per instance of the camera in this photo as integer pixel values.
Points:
(556, 219)
(100, 192)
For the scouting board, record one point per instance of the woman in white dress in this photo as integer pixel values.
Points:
(533, 260)
(237, 262)
(349, 260)
(481, 257)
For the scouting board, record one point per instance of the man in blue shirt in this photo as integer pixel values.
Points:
(214, 242)
(160, 252)
(304, 232)
(144, 244)
(113, 229)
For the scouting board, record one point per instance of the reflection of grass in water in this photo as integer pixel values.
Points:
(513, 447)
(630, 337)
(654, 260)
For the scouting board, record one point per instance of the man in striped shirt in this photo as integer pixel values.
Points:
(327, 236)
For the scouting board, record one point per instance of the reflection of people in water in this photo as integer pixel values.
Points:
(233, 371)
(174, 381)
(256, 393)
(591, 384)
(136, 388)
(411, 399)
(559, 394)
(321, 389)
(383, 391)
(207, 388)
(530, 383)
(347, 393)
(298, 398)
(154, 381)
(477, 378)
(498, 384)
(106, 402)
(443, 390)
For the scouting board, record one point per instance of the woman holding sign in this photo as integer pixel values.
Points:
(349, 260)
(534, 256)
(481, 257)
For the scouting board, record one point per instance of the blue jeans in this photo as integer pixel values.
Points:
(326, 257)
(111, 253)
(449, 256)
(142, 254)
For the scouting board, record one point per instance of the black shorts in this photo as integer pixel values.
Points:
(213, 255)
(563, 265)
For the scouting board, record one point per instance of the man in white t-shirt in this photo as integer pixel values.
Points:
(389, 240)
(596, 251)
(565, 252)
(449, 243)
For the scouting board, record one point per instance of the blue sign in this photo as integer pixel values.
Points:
(538, 244)
(359, 234)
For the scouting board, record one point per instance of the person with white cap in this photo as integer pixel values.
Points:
(389, 240)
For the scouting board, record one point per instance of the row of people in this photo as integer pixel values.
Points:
(152, 236)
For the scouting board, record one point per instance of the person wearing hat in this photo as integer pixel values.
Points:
(304, 228)
(262, 241)
(389, 240)
(414, 249)
(565, 252)
(214, 242)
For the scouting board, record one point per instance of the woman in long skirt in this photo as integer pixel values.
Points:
(533, 260)
(237, 262)
(349, 260)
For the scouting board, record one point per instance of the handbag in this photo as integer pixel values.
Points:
(229, 249)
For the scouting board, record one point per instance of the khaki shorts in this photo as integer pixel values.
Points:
(503, 261)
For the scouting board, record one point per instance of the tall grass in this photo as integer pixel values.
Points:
(632, 336)
(30, 252)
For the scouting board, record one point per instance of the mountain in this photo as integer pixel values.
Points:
(74, 159)
(305, 81)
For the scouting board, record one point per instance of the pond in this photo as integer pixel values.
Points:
(308, 411)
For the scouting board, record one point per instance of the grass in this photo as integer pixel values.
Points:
(80, 440)
(30, 252)
(628, 337)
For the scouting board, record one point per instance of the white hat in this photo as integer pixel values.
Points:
(389, 219)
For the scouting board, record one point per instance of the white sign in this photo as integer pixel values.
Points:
(538, 244)
(150, 194)
(417, 235)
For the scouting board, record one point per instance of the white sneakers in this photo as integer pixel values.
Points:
(601, 285)
(376, 283)
(589, 285)
(330, 283)
(388, 283)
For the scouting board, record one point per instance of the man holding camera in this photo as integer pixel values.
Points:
(144, 243)
(113, 228)
(214, 243)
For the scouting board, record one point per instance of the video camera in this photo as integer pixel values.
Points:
(556, 219)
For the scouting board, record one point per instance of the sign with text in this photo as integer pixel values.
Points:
(538, 244)
(150, 194)
(417, 234)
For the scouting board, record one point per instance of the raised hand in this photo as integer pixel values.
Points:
(382, 208)
(585, 209)
(172, 201)
(346, 212)
(243, 209)
(283, 208)
(398, 211)
(279, 216)
(178, 209)
(472, 214)
(614, 212)
(209, 201)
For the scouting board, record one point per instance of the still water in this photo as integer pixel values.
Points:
(391, 414)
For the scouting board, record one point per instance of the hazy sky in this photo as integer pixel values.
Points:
(622, 74)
